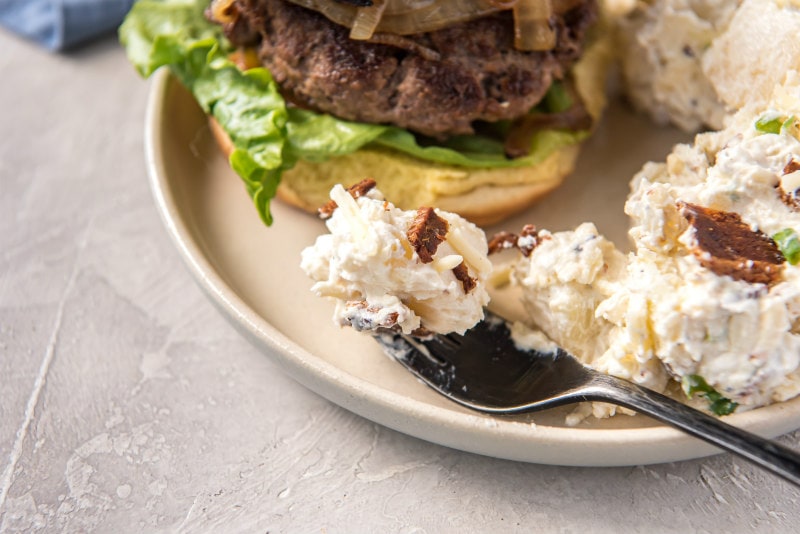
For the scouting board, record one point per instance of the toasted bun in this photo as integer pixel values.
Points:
(485, 196)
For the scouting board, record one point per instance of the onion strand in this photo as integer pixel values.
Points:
(406, 17)
(532, 18)
(367, 20)
(532, 30)
(223, 11)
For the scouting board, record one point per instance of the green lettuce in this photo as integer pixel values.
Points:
(269, 137)
(697, 385)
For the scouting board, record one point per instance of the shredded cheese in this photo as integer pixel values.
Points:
(471, 256)
(447, 263)
(349, 207)
(791, 182)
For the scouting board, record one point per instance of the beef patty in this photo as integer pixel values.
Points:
(436, 83)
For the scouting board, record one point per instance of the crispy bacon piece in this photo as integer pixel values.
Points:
(426, 232)
(527, 240)
(462, 274)
(728, 246)
(356, 190)
(790, 198)
(422, 333)
(362, 316)
(502, 241)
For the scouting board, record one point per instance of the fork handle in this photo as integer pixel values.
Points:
(778, 459)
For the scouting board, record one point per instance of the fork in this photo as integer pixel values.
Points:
(484, 370)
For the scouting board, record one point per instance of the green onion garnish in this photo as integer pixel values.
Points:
(769, 124)
(789, 245)
(696, 384)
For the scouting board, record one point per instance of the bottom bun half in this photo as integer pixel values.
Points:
(484, 196)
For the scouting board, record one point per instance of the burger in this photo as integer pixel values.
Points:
(474, 106)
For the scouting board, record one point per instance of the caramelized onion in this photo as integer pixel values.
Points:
(367, 19)
(245, 58)
(575, 118)
(223, 11)
(503, 4)
(398, 41)
(532, 30)
(406, 17)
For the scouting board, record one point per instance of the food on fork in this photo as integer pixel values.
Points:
(694, 62)
(474, 106)
(420, 271)
(710, 294)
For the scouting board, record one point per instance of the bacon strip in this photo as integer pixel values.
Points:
(527, 240)
(790, 198)
(426, 233)
(462, 274)
(362, 316)
(728, 246)
(356, 190)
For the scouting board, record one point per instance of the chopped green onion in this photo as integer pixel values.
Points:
(791, 127)
(789, 245)
(769, 124)
(719, 405)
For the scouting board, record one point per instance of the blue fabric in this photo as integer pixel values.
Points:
(62, 24)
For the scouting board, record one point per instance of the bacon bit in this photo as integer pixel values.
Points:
(362, 188)
(727, 246)
(462, 274)
(527, 240)
(422, 333)
(356, 190)
(426, 232)
(362, 316)
(790, 198)
(502, 241)
(326, 211)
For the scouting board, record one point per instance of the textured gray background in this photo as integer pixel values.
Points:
(128, 404)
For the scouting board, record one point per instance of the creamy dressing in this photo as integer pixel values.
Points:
(695, 62)
(368, 266)
(655, 315)
(659, 313)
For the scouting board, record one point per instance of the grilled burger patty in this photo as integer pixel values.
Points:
(437, 83)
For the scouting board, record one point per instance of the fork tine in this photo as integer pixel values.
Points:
(485, 371)
(416, 356)
(482, 368)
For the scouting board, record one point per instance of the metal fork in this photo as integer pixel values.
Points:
(485, 371)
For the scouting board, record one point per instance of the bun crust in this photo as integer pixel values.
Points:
(484, 196)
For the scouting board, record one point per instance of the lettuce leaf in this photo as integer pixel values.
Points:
(269, 137)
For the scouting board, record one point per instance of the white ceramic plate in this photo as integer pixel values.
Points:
(251, 273)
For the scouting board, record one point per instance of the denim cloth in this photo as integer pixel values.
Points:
(61, 24)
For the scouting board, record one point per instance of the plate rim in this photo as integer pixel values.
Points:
(476, 433)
